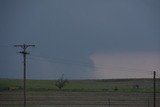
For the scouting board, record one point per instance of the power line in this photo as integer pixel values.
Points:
(6, 46)
(157, 75)
(95, 68)
(66, 61)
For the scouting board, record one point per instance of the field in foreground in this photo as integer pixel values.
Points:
(80, 93)
(112, 85)
(78, 99)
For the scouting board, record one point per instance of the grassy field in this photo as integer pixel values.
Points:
(120, 85)
(80, 93)
(77, 99)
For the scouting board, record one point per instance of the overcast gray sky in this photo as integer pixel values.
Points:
(82, 39)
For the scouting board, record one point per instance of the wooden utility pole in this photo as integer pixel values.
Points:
(154, 89)
(148, 102)
(24, 53)
(109, 102)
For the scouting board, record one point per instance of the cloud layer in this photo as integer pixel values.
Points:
(75, 30)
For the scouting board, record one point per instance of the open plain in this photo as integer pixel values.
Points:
(80, 93)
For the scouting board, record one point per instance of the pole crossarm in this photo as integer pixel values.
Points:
(24, 46)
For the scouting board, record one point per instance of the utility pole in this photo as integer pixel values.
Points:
(148, 102)
(154, 89)
(24, 53)
(109, 102)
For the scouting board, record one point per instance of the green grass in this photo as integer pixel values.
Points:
(123, 85)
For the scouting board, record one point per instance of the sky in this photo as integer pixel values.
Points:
(82, 39)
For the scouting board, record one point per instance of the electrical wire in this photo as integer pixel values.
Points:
(66, 61)
(84, 64)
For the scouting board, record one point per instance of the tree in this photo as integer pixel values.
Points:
(61, 82)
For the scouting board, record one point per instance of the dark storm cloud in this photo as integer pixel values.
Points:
(75, 29)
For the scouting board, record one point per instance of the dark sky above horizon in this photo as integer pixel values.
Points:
(82, 39)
